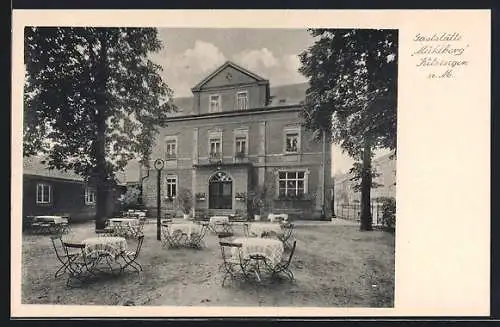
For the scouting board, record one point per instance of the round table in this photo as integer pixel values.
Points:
(111, 245)
(271, 249)
(219, 219)
(52, 219)
(121, 221)
(187, 228)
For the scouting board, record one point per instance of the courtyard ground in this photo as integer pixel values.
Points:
(335, 265)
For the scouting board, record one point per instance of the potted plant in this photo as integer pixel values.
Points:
(240, 196)
(185, 202)
(200, 196)
(255, 203)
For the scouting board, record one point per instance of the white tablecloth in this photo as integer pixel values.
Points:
(188, 228)
(123, 221)
(272, 217)
(52, 219)
(271, 249)
(219, 219)
(257, 229)
(110, 244)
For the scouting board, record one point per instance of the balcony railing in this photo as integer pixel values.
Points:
(215, 156)
(240, 155)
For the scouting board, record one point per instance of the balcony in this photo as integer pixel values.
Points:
(240, 157)
(215, 157)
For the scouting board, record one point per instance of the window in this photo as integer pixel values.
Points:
(242, 100)
(292, 142)
(171, 186)
(241, 145)
(215, 103)
(171, 149)
(291, 183)
(215, 146)
(90, 195)
(43, 193)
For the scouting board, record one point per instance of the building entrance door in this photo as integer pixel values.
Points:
(220, 191)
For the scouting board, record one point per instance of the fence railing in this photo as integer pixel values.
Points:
(352, 211)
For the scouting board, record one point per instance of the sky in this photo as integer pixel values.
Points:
(190, 54)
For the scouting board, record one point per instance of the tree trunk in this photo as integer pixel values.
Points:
(100, 150)
(366, 184)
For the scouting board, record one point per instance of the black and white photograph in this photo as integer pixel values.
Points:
(209, 167)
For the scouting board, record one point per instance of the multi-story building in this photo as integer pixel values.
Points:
(235, 135)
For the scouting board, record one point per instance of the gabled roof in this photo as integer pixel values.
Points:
(34, 166)
(198, 86)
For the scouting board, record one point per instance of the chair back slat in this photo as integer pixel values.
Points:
(291, 254)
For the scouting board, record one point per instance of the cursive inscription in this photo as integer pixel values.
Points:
(440, 55)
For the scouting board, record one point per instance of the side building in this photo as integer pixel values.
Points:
(55, 192)
(237, 135)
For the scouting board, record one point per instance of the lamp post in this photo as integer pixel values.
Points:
(159, 164)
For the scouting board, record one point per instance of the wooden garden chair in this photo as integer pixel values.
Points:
(284, 266)
(232, 267)
(288, 236)
(62, 255)
(130, 257)
(81, 266)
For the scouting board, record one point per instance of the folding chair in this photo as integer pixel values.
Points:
(130, 257)
(284, 266)
(196, 239)
(63, 256)
(232, 267)
(136, 230)
(288, 235)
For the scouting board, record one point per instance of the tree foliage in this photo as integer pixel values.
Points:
(356, 173)
(352, 95)
(93, 99)
(78, 77)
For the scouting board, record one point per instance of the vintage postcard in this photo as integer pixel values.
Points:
(277, 163)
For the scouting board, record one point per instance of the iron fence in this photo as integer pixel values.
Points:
(352, 211)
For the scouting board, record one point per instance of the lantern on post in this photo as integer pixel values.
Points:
(159, 164)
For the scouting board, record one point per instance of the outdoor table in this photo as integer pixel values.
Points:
(261, 251)
(110, 245)
(52, 219)
(261, 229)
(51, 224)
(220, 224)
(123, 221)
(219, 219)
(272, 217)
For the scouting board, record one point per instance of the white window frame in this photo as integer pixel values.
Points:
(219, 103)
(45, 188)
(168, 140)
(286, 133)
(240, 133)
(237, 100)
(296, 171)
(90, 196)
(212, 135)
(168, 183)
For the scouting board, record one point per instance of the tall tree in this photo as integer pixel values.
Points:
(93, 100)
(352, 95)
